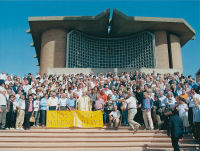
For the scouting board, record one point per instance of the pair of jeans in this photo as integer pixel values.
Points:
(106, 116)
(125, 117)
(3, 116)
(27, 120)
(11, 119)
(43, 117)
(175, 143)
(37, 117)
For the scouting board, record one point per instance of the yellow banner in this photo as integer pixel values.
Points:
(89, 119)
(62, 119)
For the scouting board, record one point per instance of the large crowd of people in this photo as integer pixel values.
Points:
(130, 99)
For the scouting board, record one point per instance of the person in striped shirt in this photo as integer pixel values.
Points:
(147, 104)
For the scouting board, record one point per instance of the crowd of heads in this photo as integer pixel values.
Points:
(76, 85)
(106, 86)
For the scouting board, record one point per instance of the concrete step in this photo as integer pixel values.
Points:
(91, 140)
(91, 145)
(78, 149)
(81, 131)
(85, 134)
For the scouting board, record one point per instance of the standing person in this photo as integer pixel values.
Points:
(108, 108)
(63, 102)
(43, 109)
(183, 113)
(53, 102)
(36, 105)
(11, 114)
(3, 108)
(175, 129)
(170, 101)
(196, 119)
(157, 111)
(139, 97)
(20, 113)
(99, 103)
(28, 112)
(190, 101)
(84, 102)
(71, 102)
(132, 110)
(93, 96)
(124, 112)
(147, 104)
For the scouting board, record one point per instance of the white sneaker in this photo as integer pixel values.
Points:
(11, 128)
(7, 128)
(21, 129)
(17, 128)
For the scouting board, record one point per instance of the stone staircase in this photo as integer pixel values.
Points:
(81, 139)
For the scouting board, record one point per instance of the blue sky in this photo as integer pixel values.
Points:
(16, 56)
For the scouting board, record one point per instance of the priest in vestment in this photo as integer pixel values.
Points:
(84, 102)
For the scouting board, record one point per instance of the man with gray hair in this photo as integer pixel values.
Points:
(114, 117)
(132, 110)
(147, 104)
(3, 105)
(53, 102)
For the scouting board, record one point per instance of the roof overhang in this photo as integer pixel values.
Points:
(122, 25)
(93, 25)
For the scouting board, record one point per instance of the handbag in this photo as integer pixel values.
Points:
(32, 119)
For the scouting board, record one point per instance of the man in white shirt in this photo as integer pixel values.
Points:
(20, 113)
(194, 94)
(162, 98)
(3, 76)
(26, 87)
(132, 110)
(107, 90)
(63, 102)
(53, 102)
(114, 117)
(3, 108)
(170, 100)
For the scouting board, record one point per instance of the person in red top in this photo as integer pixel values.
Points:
(103, 96)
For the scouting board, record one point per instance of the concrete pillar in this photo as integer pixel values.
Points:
(176, 52)
(162, 58)
(53, 50)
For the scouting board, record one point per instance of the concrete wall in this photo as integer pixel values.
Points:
(176, 52)
(104, 70)
(162, 58)
(53, 50)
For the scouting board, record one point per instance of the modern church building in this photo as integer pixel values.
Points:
(84, 44)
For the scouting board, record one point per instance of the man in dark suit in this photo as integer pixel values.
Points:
(175, 129)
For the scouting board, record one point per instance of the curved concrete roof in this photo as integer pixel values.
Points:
(122, 25)
(94, 25)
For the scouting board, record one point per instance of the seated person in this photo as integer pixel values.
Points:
(114, 117)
